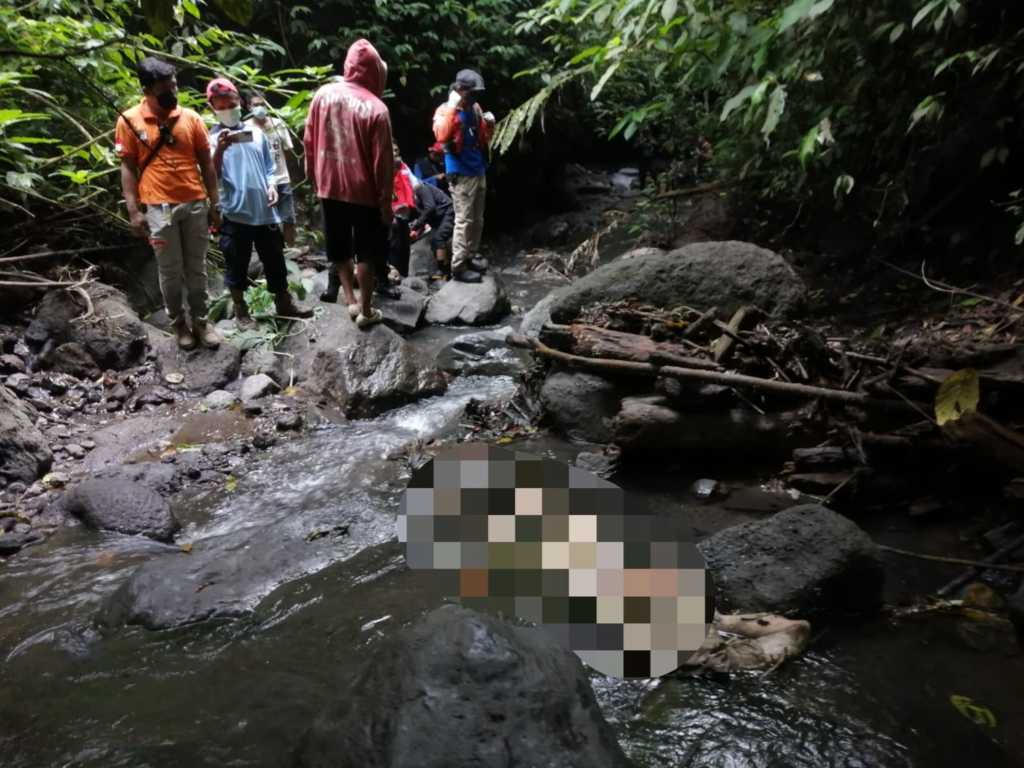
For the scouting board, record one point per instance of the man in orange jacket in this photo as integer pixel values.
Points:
(465, 130)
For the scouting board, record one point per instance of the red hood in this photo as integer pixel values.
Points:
(364, 66)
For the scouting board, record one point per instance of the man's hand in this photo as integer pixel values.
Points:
(215, 218)
(489, 117)
(138, 221)
(224, 140)
(272, 197)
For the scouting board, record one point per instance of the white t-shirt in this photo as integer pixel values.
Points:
(280, 139)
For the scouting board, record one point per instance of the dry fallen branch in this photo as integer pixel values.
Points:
(729, 379)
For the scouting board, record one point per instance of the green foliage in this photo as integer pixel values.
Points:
(824, 99)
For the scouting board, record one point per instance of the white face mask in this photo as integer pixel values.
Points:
(259, 112)
(229, 117)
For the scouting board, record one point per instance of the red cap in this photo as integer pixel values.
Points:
(220, 87)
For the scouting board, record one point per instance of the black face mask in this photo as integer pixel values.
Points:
(167, 100)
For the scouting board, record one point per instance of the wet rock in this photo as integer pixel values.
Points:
(480, 354)
(219, 399)
(75, 451)
(725, 274)
(114, 337)
(226, 576)
(154, 394)
(261, 360)
(403, 315)
(74, 359)
(117, 502)
(469, 303)
(289, 422)
(56, 383)
(460, 688)
(19, 383)
(581, 405)
(603, 465)
(257, 386)
(649, 427)
(422, 262)
(204, 369)
(24, 453)
(804, 561)
(417, 284)
(534, 320)
(263, 439)
(363, 371)
(118, 393)
(12, 543)
(11, 364)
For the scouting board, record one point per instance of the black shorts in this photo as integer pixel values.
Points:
(347, 225)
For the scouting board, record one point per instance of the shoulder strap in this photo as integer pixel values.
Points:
(159, 145)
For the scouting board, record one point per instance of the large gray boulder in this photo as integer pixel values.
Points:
(469, 303)
(114, 336)
(724, 274)
(123, 502)
(804, 561)
(363, 371)
(204, 370)
(24, 452)
(405, 314)
(460, 688)
(581, 405)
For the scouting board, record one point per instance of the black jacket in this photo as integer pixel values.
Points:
(432, 206)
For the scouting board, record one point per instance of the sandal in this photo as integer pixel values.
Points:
(375, 317)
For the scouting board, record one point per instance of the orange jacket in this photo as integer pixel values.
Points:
(448, 127)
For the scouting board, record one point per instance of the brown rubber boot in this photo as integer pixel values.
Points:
(286, 306)
(243, 319)
(206, 334)
(183, 335)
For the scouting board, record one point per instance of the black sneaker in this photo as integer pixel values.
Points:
(330, 297)
(467, 276)
(479, 263)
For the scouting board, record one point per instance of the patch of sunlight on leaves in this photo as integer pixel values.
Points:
(958, 394)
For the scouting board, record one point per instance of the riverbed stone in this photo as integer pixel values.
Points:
(804, 561)
(363, 371)
(539, 314)
(220, 399)
(119, 503)
(114, 337)
(74, 359)
(404, 314)
(469, 303)
(581, 405)
(11, 364)
(257, 386)
(725, 274)
(204, 369)
(262, 359)
(24, 452)
(227, 575)
(459, 688)
(481, 354)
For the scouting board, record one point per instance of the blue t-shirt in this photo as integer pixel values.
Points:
(246, 172)
(470, 162)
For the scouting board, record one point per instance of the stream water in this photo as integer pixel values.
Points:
(241, 692)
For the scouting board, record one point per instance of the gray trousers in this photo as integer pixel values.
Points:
(468, 196)
(180, 236)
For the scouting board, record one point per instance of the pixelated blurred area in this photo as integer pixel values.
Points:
(514, 534)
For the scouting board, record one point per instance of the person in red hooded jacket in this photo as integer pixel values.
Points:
(350, 164)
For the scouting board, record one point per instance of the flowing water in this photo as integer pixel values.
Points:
(75, 691)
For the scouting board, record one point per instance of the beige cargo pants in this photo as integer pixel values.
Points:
(180, 236)
(468, 196)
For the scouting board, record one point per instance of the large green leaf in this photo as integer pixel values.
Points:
(794, 13)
